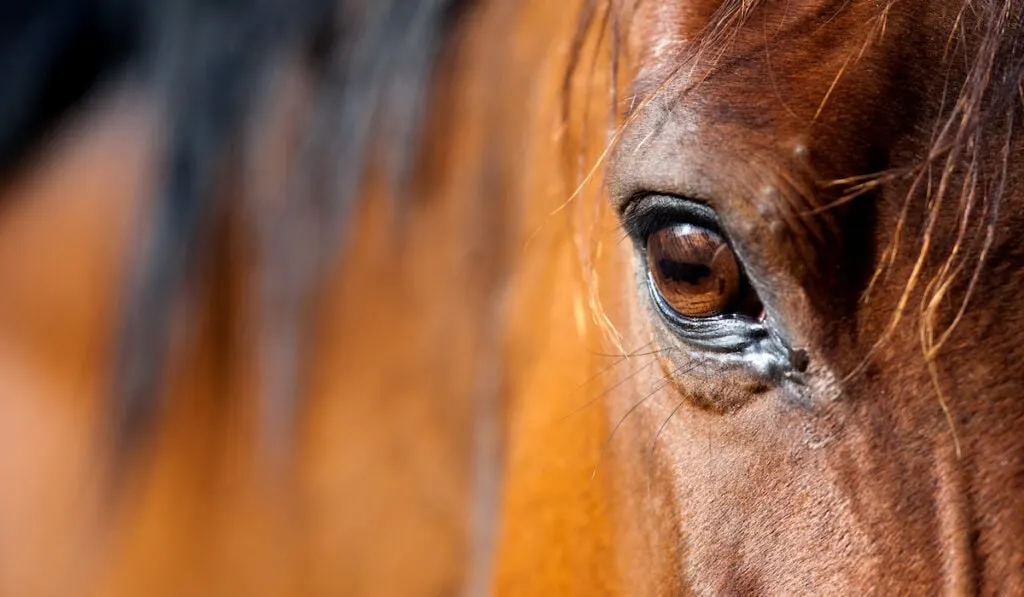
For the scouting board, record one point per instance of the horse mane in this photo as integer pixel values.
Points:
(53, 53)
(211, 64)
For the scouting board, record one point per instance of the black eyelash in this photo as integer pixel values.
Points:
(644, 215)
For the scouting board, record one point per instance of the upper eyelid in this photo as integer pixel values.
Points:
(644, 214)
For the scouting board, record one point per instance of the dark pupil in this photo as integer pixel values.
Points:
(682, 271)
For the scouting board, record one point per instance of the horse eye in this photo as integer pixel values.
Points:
(694, 271)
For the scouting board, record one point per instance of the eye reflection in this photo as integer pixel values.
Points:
(694, 271)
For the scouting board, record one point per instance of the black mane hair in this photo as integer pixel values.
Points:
(209, 61)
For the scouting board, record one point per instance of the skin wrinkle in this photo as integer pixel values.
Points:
(955, 515)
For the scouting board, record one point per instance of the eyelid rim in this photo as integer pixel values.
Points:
(646, 213)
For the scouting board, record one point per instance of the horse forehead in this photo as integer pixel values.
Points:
(688, 18)
(782, 67)
(661, 31)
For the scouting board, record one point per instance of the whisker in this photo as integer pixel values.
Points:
(620, 355)
(608, 390)
(654, 443)
(664, 382)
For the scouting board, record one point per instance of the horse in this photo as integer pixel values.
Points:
(815, 387)
(602, 297)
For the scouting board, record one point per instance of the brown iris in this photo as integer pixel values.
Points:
(693, 270)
